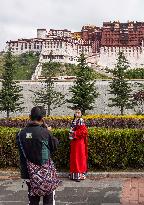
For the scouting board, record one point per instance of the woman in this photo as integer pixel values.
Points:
(78, 148)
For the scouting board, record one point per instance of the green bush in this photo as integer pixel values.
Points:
(8, 148)
(116, 148)
(108, 148)
(137, 73)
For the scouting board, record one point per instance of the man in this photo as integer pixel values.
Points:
(38, 144)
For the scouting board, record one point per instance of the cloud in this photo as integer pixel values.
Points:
(21, 18)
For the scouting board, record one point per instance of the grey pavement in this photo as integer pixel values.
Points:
(100, 188)
(102, 191)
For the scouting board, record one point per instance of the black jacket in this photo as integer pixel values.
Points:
(38, 144)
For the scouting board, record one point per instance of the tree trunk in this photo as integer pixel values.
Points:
(83, 112)
(8, 113)
(122, 110)
(48, 110)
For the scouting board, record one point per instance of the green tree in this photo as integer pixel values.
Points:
(48, 96)
(1, 64)
(139, 99)
(51, 69)
(10, 94)
(120, 88)
(137, 73)
(83, 91)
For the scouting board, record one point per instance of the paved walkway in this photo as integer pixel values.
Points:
(133, 191)
(96, 191)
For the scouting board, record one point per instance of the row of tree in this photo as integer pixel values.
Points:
(84, 91)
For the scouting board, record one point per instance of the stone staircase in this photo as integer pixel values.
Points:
(37, 72)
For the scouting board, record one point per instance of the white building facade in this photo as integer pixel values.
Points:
(108, 56)
(67, 49)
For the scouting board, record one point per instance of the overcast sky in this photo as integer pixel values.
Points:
(21, 18)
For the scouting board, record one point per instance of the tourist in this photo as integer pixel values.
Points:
(78, 148)
(36, 144)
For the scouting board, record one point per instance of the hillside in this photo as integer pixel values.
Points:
(26, 63)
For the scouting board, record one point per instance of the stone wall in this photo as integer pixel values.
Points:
(101, 104)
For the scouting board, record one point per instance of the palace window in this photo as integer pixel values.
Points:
(61, 57)
(22, 47)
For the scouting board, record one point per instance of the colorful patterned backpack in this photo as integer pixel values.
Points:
(43, 178)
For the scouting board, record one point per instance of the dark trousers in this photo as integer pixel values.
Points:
(34, 200)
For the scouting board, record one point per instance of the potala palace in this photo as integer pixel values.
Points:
(100, 45)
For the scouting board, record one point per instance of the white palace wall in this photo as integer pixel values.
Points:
(134, 55)
(100, 107)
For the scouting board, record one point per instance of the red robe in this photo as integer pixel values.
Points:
(79, 150)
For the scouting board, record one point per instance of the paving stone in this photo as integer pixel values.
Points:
(105, 191)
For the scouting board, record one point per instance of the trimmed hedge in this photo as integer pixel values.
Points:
(108, 148)
(107, 121)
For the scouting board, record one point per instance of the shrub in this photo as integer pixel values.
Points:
(8, 148)
(116, 148)
(107, 121)
(137, 73)
(108, 148)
